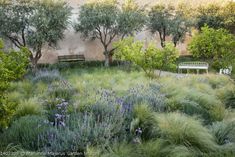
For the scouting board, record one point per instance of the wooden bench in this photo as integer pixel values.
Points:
(193, 65)
(71, 58)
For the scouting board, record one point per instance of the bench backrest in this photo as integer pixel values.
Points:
(71, 58)
(194, 64)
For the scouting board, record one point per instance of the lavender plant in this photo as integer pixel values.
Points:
(47, 76)
(81, 130)
(25, 132)
(57, 111)
(149, 95)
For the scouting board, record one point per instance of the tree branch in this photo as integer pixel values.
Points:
(111, 38)
(23, 37)
(15, 41)
(100, 34)
(105, 30)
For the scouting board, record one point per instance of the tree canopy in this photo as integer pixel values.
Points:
(167, 21)
(210, 16)
(149, 58)
(12, 67)
(216, 16)
(106, 20)
(33, 24)
(216, 45)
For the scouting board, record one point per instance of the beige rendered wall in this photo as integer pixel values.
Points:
(74, 44)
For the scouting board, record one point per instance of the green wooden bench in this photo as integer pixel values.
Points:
(193, 65)
(71, 58)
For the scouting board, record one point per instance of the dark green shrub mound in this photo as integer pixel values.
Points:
(25, 132)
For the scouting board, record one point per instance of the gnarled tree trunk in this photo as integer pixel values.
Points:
(34, 60)
(107, 61)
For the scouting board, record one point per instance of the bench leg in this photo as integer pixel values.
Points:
(179, 71)
(206, 71)
(197, 71)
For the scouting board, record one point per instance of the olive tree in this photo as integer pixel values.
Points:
(228, 13)
(209, 15)
(216, 16)
(167, 21)
(33, 24)
(106, 21)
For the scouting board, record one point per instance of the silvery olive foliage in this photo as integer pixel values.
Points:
(105, 21)
(168, 21)
(33, 24)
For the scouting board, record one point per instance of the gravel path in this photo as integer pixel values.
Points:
(166, 73)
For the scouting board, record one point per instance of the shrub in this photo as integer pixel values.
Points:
(29, 107)
(181, 129)
(13, 66)
(6, 111)
(25, 132)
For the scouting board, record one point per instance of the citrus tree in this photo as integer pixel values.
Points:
(215, 45)
(12, 67)
(149, 58)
